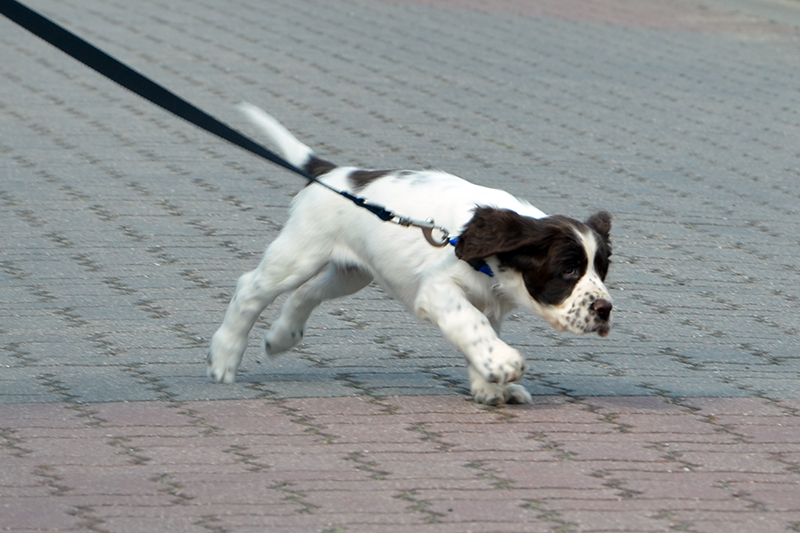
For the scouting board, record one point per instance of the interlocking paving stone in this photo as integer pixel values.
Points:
(318, 464)
(123, 231)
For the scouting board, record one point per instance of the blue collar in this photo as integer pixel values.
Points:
(480, 265)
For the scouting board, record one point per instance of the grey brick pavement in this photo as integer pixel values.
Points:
(123, 230)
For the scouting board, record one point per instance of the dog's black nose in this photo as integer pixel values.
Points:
(602, 308)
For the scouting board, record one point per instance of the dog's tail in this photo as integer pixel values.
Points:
(294, 151)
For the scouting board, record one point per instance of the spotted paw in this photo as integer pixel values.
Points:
(493, 394)
(505, 365)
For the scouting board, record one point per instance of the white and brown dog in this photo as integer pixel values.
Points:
(508, 254)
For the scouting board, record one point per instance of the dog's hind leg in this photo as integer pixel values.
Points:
(335, 281)
(285, 266)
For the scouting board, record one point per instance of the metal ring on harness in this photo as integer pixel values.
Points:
(444, 240)
(427, 227)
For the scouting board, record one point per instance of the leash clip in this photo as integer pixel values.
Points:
(442, 234)
(439, 240)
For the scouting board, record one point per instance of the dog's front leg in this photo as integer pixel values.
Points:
(493, 365)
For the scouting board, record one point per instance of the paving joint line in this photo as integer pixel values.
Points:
(420, 506)
(51, 480)
(168, 486)
(249, 460)
(366, 466)
(86, 514)
(481, 469)
(135, 455)
(304, 421)
(294, 497)
(560, 524)
(212, 523)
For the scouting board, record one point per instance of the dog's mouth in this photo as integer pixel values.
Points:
(601, 327)
(603, 330)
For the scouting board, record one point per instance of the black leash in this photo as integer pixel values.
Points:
(135, 82)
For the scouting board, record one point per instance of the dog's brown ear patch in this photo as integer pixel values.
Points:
(601, 223)
(492, 231)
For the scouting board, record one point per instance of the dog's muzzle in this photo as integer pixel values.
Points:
(602, 310)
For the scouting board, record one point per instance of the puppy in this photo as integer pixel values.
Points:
(507, 254)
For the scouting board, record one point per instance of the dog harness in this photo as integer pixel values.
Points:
(479, 264)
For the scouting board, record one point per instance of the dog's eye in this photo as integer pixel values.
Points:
(570, 273)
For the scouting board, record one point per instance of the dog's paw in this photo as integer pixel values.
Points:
(504, 365)
(278, 339)
(494, 394)
(515, 393)
(491, 394)
(220, 373)
(224, 357)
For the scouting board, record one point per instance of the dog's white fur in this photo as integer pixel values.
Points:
(330, 248)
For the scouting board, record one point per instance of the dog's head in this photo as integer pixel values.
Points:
(560, 263)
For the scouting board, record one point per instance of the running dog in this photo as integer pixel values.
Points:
(508, 254)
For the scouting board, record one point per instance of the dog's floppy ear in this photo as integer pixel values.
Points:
(492, 231)
(601, 223)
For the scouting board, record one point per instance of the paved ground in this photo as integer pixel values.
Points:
(124, 230)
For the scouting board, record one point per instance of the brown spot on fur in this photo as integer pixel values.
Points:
(318, 167)
(362, 178)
